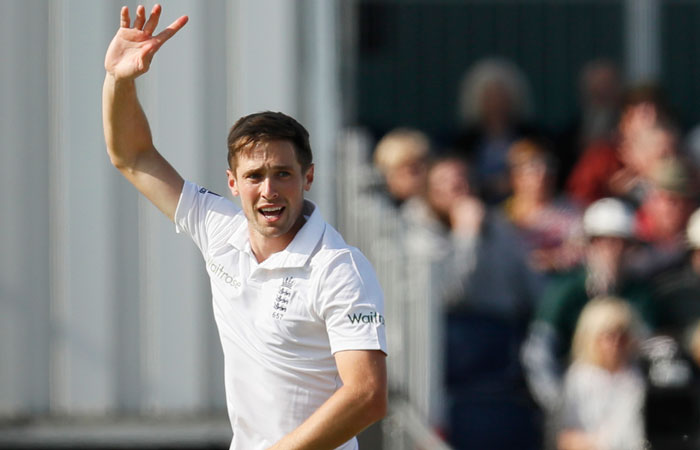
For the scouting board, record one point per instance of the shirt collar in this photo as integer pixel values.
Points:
(298, 251)
(239, 238)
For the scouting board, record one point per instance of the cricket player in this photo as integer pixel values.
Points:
(299, 312)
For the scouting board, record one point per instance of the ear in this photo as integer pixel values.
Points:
(232, 184)
(309, 177)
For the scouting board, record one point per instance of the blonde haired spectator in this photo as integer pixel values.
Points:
(401, 157)
(603, 390)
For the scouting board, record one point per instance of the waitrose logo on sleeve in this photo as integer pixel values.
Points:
(366, 317)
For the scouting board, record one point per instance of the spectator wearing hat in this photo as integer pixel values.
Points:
(608, 225)
(662, 218)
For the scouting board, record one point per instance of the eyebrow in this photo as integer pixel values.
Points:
(263, 169)
(282, 167)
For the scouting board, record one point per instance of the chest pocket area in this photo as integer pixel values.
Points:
(287, 318)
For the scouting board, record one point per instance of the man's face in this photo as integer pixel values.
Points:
(271, 184)
(669, 212)
(604, 254)
(406, 180)
(447, 182)
(531, 178)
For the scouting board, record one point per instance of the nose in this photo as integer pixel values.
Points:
(269, 190)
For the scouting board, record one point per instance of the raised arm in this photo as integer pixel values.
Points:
(127, 134)
(360, 401)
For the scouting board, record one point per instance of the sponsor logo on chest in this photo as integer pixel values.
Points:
(216, 270)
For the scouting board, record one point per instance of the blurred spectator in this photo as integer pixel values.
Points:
(600, 94)
(495, 106)
(641, 157)
(600, 91)
(673, 356)
(678, 293)
(662, 218)
(591, 177)
(691, 146)
(608, 225)
(548, 225)
(694, 341)
(673, 395)
(488, 293)
(401, 157)
(490, 273)
(603, 393)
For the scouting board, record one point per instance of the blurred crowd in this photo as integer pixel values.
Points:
(570, 263)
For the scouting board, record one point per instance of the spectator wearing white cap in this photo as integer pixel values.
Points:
(609, 226)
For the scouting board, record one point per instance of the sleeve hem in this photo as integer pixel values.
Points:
(185, 202)
(359, 345)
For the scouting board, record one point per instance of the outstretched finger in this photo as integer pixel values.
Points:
(140, 17)
(152, 23)
(125, 20)
(171, 30)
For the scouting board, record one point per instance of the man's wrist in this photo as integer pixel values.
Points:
(120, 82)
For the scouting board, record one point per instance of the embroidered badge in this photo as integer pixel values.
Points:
(284, 295)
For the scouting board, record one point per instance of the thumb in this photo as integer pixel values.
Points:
(146, 56)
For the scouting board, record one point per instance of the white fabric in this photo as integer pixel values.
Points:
(281, 321)
(606, 405)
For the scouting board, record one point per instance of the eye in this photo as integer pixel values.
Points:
(283, 174)
(253, 176)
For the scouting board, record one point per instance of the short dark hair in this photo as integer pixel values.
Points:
(648, 93)
(454, 156)
(268, 126)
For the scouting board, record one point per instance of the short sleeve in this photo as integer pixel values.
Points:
(207, 217)
(351, 303)
(569, 412)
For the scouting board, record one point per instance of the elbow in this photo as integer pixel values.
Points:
(117, 162)
(376, 404)
(381, 407)
(124, 163)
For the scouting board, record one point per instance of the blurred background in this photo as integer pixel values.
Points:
(106, 333)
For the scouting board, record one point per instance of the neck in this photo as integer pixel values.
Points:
(265, 246)
(525, 205)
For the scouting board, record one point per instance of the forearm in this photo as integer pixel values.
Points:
(131, 149)
(126, 129)
(542, 372)
(340, 418)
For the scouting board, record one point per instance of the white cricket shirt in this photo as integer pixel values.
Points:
(281, 321)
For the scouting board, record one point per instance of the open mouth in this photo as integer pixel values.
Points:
(271, 213)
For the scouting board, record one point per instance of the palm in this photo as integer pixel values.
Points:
(131, 51)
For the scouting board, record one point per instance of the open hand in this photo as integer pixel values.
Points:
(131, 51)
(466, 215)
